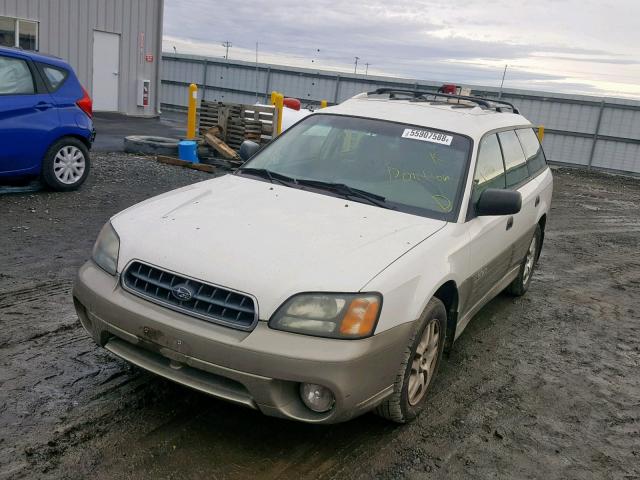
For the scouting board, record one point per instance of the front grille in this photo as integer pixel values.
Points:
(208, 302)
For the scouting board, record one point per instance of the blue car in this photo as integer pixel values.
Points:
(46, 127)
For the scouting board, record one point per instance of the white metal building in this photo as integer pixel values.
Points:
(114, 46)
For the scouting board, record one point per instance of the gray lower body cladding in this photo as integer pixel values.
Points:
(261, 369)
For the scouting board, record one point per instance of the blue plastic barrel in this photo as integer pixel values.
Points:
(188, 150)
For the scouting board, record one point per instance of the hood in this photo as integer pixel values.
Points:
(267, 240)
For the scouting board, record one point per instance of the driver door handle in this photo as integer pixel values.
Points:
(509, 223)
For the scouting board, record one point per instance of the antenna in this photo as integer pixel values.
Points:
(502, 83)
(226, 44)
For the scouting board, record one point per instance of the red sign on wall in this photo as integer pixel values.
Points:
(149, 57)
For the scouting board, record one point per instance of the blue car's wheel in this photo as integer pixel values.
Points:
(66, 164)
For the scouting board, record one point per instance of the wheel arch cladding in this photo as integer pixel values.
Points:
(447, 293)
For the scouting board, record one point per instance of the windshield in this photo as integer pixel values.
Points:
(412, 169)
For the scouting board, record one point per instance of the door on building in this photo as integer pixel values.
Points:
(106, 71)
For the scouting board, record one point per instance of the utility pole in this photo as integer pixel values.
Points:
(226, 44)
(502, 83)
(257, 73)
(355, 69)
(366, 69)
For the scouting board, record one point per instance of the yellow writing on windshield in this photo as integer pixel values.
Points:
(412, 176)
(444, 203)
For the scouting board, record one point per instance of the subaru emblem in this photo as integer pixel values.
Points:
(182, 292)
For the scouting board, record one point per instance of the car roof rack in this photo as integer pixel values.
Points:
(421, 95)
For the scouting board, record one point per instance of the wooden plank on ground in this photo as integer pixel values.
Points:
(203, 167)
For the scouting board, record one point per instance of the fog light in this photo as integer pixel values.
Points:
(318, 398)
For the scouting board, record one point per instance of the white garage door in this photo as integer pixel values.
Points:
(106, 71)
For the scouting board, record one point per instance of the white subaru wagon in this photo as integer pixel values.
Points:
(326, 276)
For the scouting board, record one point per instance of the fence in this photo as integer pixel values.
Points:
(580, 130)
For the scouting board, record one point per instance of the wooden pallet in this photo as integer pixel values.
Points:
(238, 122)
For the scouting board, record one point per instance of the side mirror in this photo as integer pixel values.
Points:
(496, 201)
(248, 149)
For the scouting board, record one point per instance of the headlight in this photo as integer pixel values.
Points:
(333, 315)
(105, 251)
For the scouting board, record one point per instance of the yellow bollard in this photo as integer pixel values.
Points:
(541, 133)
(191, 112)
(274, 95)
(279, 107)
(323, 104)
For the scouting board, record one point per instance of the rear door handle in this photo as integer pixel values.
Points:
(43, 106)
(537, 201)
(509, 223)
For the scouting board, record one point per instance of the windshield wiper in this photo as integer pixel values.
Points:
(347, 191)
(269, 175)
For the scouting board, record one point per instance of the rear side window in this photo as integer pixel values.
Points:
(15, 77)
(514, 159)
(53, 76)
(532, 150)
(489, 167)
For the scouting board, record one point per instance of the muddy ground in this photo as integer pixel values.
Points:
(545, 386)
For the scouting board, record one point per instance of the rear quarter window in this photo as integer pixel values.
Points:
(514, 159)
(15, 77)
(532, 150)
(54, 77)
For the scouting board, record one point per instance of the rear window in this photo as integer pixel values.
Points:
(54, 76)
(514, 159)
(532, 150)
(15, 77)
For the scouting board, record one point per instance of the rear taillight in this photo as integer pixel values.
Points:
(85, 103)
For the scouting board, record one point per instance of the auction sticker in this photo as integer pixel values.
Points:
(427, 136)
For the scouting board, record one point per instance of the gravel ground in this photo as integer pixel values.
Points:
(544, 386)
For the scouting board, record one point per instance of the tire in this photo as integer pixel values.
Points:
(520, 285)
(404, 405)
(66, 156)
(149, 145)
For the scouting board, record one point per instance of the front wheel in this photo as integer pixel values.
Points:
(419, 367)
(66, 165)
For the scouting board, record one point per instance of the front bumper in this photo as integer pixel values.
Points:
(261, 369)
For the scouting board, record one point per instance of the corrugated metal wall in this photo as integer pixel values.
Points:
(602, 133)
(66, 30)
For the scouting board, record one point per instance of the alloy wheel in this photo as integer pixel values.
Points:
(424, 362)
(529, 261)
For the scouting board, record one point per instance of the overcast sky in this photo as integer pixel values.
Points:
(574, 46)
